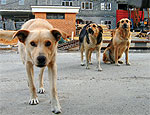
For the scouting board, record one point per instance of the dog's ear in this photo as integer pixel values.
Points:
(100, 29)
(118, 23)
(99, 37)
(21, 35)
(58, 34)
(130, 23)
(90, 31)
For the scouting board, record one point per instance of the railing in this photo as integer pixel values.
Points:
(10, 25)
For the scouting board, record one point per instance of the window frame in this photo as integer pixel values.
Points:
(83, 5)
(21, 2)
(55, 16)
(104, 6)
(106, 22)
(3, 2)
(65, 2)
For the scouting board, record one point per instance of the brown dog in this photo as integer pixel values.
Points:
(38, 46)
(119, 44)
(91, 39)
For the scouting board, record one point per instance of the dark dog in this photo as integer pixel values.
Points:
(119, 44)
(90, 39)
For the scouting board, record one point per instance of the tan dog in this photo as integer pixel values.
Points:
(38, 46)
(91, 39)
(119, 44)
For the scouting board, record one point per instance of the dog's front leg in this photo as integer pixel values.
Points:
(90, 55)
(127, 55)
(87, 58)
(41, 89)
(52, 74)
(30, 73)
(82, 49)
(98, 59)
(116, 55)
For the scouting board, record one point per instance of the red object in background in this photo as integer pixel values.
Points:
(124, 14)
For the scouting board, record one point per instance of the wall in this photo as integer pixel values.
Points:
(67, 25)
(14, 5)
(95, 15)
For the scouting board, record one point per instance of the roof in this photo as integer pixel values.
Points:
(55, 9)
(15, 10)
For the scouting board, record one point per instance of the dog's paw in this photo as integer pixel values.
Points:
(90, 63)
(107, 62)
(56, 109)
(117, 64)
(41, 90)
(34, 101)
(82, 64)
(100, 69)
(128, 64)
(120, 62)
(87, 67)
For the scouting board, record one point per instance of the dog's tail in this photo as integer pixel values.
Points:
(83, 34)
(104, 57)
(110, 43)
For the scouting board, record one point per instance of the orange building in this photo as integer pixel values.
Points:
(61, 17)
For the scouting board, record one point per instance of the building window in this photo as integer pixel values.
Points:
(82, 5)
(87, 5)
(3, 1)
(21, 2)
(106, 22)
(106, 6)
(55, 16)
(67, 3)
(122, 7)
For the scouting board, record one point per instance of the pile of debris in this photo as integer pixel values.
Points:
(8, 42)
(143, 35)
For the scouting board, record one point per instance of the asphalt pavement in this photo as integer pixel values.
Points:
(117, 90)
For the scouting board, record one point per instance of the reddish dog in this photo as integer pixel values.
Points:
(119, 44)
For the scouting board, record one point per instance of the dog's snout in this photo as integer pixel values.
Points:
(41, 61)
(125, 25)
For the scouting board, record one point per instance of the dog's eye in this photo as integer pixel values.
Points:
(127, 21)
(33, 44)
(94, 26)
(122, 21)
(48, 43)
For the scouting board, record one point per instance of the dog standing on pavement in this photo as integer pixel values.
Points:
(120, 43)
(38, 46)
(90, 39)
